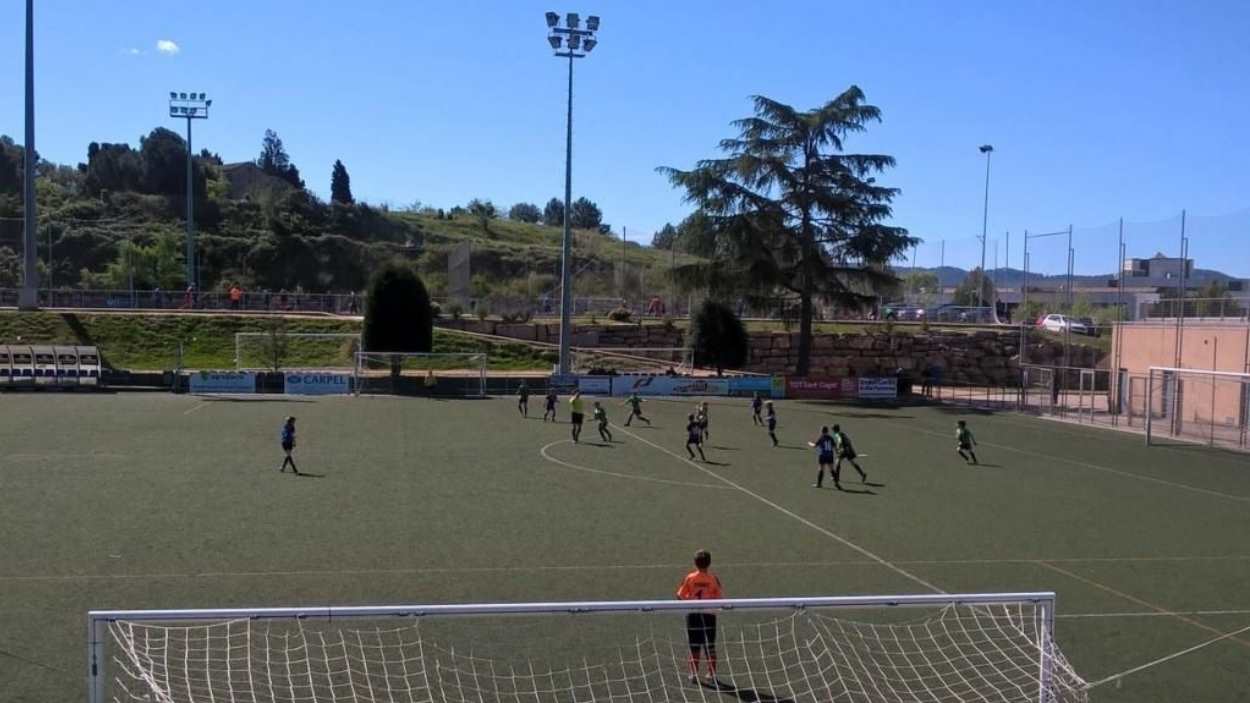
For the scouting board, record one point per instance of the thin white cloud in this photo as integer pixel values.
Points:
(167, 47)
(132, 51)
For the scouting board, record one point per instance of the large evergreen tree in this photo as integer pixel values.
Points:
(666, 238)
(791, 212)
(585, 214)
(275, 161)
(397, 313)
(966, 291)
(553, 214)
(525, 212)
(718, 338)
(340, 184)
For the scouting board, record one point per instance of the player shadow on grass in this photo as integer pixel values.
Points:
(305, 474)
(253, 399)
(746, 695)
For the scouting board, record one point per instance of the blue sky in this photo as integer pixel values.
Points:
(1096, 110)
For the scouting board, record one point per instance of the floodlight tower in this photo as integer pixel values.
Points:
(571, 42)
(191, 106)
(985, 219)
(29, 296)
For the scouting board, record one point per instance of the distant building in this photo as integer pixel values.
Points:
(1158, 268)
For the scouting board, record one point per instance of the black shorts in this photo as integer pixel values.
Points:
(825, 459)
(578, 418)
(701, 631)
(288, 446)
(694, 439)
(849, 454)
(965, 447)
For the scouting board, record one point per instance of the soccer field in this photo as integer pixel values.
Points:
(160, 501)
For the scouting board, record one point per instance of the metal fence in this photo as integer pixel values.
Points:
(253, 301)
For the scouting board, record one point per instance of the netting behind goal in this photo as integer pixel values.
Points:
(997, 647)
(421, 374)
(606, 360)
(282, 351)
(1192, 405)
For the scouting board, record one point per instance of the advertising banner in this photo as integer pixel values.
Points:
(814, 388)
(750, 385)
(878, 388)
(308, 383)
(669, 385)
(595, 385)
(223, 382)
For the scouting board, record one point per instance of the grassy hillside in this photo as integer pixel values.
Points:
(150, 342)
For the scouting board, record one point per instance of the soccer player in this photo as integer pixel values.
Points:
(701, 416)
(701, 584)
(601, 416)
(288, 445)
(825, 445)
(523, 399)
(635, 409)
(577, 407)
(694, 437)
(757, 404)
(772, 421)
(966, 442)
(551, 404)
(845, 451)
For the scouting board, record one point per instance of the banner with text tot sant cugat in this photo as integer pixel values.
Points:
(222, 382)
(321, 383)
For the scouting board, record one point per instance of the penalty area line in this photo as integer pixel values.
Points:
(601, 472)
(791, 514)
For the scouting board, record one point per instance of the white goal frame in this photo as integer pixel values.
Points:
(99, 621)
(1166, 380)
(240, 337)
(480, 369)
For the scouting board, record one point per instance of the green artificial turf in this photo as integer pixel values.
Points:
(162, 501)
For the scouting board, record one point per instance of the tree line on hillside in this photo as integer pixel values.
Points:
(117, 217)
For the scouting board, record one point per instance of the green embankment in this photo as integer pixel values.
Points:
(150, 342)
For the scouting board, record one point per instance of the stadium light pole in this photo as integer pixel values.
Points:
(29, 297)
(985, 218)
(191, 106)
(571, 42)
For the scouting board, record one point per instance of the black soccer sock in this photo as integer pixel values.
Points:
(974, 457)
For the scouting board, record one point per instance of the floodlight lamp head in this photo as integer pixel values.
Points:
(208, 103)
(552, 19)
(203, 96)
(555, 41)
(173, 95)
(572, 21)
(588, 44)
(986, 148)
(575, 42)
(182, 96)
(592, 23)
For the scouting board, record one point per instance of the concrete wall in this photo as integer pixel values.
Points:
(1210, 346)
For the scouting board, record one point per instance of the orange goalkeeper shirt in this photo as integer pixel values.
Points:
(700, 585)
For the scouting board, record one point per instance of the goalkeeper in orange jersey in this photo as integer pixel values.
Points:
(701, 584)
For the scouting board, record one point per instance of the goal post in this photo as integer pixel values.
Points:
(390, 373)
(995, 646)
(1196, 405)
(283, 351)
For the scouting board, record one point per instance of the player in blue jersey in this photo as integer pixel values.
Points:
(288, 445)
(694, 437)
(825, 446)
(757, 405)
(550, 410)
(771, 416)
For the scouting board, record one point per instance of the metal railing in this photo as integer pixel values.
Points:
(245, 301)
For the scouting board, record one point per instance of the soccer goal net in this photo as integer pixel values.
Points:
(282, 351)
(607, 360)
(990, 647)
(1211, 407)
(421, 374)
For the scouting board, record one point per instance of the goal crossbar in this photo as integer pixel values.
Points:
(1019, 636)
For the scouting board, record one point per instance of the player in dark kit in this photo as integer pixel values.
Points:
(825, 446)
(601, 416)
(635, 409)
(288, 445)
(701, 584)
(966, 442)
(845, 452)
(551, 405)
(523, 399)
(772, 421)
(694, 437)
(757, 404)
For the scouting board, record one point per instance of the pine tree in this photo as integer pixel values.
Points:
(341, 185)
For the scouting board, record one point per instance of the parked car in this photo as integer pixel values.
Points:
(1055, 322)
(1091, 327)
(902, 311)
(951, 312)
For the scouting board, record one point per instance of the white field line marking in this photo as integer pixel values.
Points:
(1075, 462)
(1129, 597)
(630, 477)
(198, 406)
(588, 567)
(789, 513)
(1151, 614)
